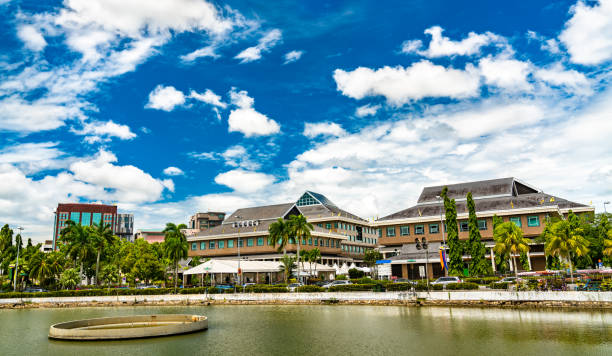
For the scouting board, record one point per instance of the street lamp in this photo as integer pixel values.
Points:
(443, 229)
(17, 264)
(423, 246)
(606, 202)
(238, 241)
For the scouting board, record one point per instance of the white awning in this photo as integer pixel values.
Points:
(231, 266)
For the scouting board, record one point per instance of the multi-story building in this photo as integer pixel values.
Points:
(84, 214)
(47, 246)
(150, 236)
(509, 198)
(124, 226)
(338, 234)
(203, 221)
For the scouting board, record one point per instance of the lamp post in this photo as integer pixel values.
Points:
(424, 246)
(605, 203)
(443, 229)
(238, 242)
(17, 264)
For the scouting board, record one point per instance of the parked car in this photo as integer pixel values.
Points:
(224, 286)
(447, 280)
(34, 289)
(404, 280)
(293, 286)
(337, 283)
(321, 283)
(511, 280)
(147, 286)
(248, 284)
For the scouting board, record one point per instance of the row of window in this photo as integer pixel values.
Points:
(86, 218)
(351, 248)
(366, 240)
(532, 221)
(260, 241)
(349, 227)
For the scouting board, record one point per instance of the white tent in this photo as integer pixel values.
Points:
(344, 269)
(216, 266)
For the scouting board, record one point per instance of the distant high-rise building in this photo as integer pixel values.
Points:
(124, 226)
(83, 214)
(204, 221)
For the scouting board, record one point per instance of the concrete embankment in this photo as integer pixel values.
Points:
(602, 300)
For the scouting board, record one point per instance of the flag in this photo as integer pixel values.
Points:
(591, 202)
(512, 205)
(542, 201)
(443, 258)
(552, 199)
(420, 214)
(338, 213)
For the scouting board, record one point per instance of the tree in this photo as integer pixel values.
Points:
(109, 274)
(509, 240)
(314, 256)
(39, 268)
(501, 259)
(607, 244)
(369, 258)
(455, 258)
(300, 229)
(563, 240)
(101, 236)
(288, 263)
(69, 278)
(279, 233)
(478, 263)
(78, 238)
(175, 245)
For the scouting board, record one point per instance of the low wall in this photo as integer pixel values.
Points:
(476, 298)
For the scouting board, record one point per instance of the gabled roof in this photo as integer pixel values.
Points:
(323, 207)
(480, 189)
(266, 212)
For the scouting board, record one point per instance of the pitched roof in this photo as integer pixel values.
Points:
(492, 187)
(265, 212)
(325, 208)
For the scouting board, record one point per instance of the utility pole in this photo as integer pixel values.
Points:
(17, 264)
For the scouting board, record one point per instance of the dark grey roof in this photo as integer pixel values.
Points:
(259, 213)
(321, 198)
(313, 212)
(532, 200)
(229, 229)
(493, 187)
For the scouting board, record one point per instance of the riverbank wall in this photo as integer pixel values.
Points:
(532, 299)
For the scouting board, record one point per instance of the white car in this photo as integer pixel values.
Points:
(447, 280)
(337, 283)
(293, 286)
(511, 280)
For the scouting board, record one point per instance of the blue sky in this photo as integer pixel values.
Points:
(170, 107)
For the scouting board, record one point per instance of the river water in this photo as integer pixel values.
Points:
(329, 330)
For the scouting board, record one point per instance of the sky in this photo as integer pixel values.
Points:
(172, 107)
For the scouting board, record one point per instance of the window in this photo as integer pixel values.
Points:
(379, 232)
(419, 229)
(335, 225)
(96, 218)
(75, 216)
(328, 226)
(292, 240)
(241, 243)
(310, 241)
(391, 231)
(211, 245)
(533, 221)
(327, 243)
(337, 243)
(316, 242)
(463, 226)
(194, 246)
(260, 241)
(250, 242)
(230, 243)
(404, 230)
(320, 225)
(202, 245)
(434, 228)
(482, 224)
(320, 242)
(516, 220)
(306, 199)
(221, 243)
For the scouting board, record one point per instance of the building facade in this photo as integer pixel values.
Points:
(83, 214)
(150, 236)
(508, 198)
(338, 234)
(124, 226)
(203, 221)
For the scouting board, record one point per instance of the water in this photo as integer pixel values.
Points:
(328, 330)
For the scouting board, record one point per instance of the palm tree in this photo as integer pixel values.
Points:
(509, 240)
(279, 233)
(563, 240)
(288, 263)
(300, 229)
(607, 244)
(314, 255)
(101, 236)
(79, 240)
(175, 245)
(40, 268)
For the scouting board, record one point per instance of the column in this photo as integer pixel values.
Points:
(529, 260)
(493, 260)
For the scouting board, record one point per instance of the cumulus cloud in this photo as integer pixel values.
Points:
(234, 156)
(588, 33)
(244, 181)
(367, 110)
(312, 130)
(209, 97)
(208, 51)
(400, 85)
(269, 40)
(293, 56)
(34, 157)
(106, 130)
(173, 171)
(570, 80)
(31, 116)
(441, 46)
(246, 120)
(165, 98)
(506, 73)
(31, 37)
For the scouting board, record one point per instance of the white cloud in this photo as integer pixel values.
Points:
(209, 97)
(106, 130)
(234, 156)
(269, 40)
(39, 115)
(246, 120)
(165, 98)
(588, 34)
(464, 149)
(31, 37)
(312, 130)
(367, 110)
(570, 80)
(173, 171)
(293, 56)
(441, 46)
(34, 157)
(510, 74)
(208, 51)
(400, 85)
(244, 181)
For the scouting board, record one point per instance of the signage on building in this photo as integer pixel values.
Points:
(422, 271)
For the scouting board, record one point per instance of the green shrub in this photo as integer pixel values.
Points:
(352, 287)
(341, 277)
(310, 289)
(481, 280)
(462, 286)
(265, 288)
(422, 286)
(398, 286)
(495, 285)
(354, 273)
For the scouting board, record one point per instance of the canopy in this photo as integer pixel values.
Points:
(231, 266)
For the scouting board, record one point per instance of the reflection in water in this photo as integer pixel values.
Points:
(330, 330)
